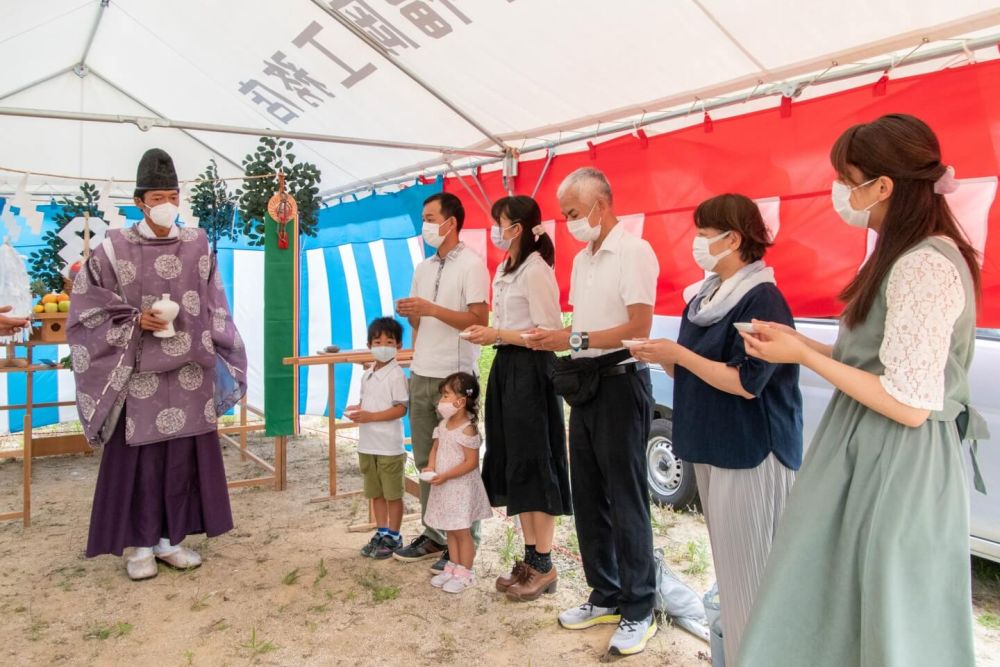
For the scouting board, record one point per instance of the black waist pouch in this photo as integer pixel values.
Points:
(577, 380)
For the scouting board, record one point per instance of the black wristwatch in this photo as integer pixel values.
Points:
(579, 340)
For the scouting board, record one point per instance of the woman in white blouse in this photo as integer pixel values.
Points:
(871, 561)
(525, 467)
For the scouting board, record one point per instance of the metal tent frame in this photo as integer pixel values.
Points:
(788, 81)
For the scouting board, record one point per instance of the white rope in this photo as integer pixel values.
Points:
(119, 180)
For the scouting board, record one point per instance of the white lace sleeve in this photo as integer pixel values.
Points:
(924, 297)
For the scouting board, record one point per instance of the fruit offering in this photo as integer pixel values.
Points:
(53, 302)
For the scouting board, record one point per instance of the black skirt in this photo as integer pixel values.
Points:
(525, 467)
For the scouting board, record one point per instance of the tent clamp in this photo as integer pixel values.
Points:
(81, 70)
(510, 162)
(146, 123)
(791, 89)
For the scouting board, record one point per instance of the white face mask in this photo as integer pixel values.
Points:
(702, 253)
(840, 193)
(447, 409)
(163, 215)
(496, 236)
(432, 236)
(581, 228)
(384, 353)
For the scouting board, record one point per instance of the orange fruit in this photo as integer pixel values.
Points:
(62, 297)
(52, 297)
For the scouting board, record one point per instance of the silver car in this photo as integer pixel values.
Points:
(671, 480)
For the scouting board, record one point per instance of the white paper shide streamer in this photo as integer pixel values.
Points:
(15, 290)
(112, 215)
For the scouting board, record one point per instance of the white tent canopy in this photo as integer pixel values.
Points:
(472, 75)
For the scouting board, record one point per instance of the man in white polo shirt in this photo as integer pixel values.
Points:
(450, 293)
(612, 291)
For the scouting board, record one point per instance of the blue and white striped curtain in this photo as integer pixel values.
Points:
(360, 262)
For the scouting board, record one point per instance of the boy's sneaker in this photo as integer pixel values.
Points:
(368, 551)
(387, 546)
(631, 636)
(587, 615)
(438, 565)
(419, 549)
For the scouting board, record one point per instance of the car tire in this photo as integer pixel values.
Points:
(671, 481)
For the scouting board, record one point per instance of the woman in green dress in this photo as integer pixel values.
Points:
(870, 565)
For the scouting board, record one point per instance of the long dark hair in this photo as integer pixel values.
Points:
(524, 211)
(464, 384)
(905, 149)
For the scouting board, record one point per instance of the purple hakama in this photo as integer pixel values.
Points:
(168, 489)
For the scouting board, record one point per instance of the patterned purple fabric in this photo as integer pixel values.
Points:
(171, 489)
(164, 388)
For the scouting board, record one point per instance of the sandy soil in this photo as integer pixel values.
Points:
(287, 586)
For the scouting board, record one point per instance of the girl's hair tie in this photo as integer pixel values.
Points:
(947, 183)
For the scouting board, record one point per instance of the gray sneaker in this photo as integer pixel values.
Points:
(368, 551)
(587, 615)
(438, 566)
(631, 636)
(387, 546)
(419, 549)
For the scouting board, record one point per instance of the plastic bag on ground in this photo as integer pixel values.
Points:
(678, 601)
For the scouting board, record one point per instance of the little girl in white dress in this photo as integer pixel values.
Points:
(457, 497)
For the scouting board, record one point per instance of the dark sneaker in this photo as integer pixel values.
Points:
(419, 549)
(368, 551)
(388, 546)
(438, 567)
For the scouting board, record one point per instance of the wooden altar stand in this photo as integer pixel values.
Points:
(363, 357)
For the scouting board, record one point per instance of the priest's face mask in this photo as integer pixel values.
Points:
(159, 206)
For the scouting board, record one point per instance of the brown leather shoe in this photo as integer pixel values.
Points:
(533, 585)
(516, 574)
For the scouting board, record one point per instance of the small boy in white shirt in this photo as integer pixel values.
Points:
(381, 455)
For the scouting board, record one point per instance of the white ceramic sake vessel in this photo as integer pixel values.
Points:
(166, 309)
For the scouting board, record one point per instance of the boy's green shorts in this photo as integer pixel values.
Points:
(383, 475)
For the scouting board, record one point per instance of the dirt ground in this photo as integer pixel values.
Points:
(287, 586)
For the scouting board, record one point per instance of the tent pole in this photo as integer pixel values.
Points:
(948, 33)
(381, 50)
(37, 82)
(146, 123)
(796, 86)
(93, 31)
(485, 208)
(762, 69)
(135, 99)
(549, 154)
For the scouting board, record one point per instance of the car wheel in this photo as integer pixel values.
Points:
(671, 480)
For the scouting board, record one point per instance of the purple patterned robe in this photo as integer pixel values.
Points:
(164, 388)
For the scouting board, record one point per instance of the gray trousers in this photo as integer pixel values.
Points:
(742, 510)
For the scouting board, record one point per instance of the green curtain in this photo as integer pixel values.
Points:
(279, 316)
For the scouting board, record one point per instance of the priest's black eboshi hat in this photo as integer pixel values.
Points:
(156, 172)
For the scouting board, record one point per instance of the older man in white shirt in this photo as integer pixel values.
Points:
(612, 291)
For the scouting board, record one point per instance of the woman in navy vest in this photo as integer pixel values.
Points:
(736, 418)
